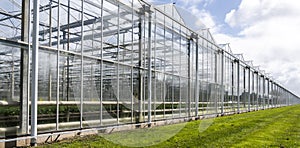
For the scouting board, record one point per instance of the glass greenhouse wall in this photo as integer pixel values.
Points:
(103, 63)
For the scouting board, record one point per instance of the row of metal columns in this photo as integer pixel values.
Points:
(25, 76)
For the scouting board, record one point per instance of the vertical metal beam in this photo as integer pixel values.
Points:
(253, 91)
(232, 83)
(81, 65)
(238, 86)
(249, 83)
(287, 96)
(172, 50)
(35, 68)
(272, 92)
(57, 66)
(215, 93)
(131, 67)
(49, 56)
(164, 78)
(197, 77)
(222, 82)
(257, 90)
(180, 71)
(101, 67)
(268, 92)
(244, 87)
(12, 79)
(275, 95)
(208, 90)
(189, 77)
(144, 64)
(149, 67)
(155, 45)
(68, 59)
(141, 81)
(263, 93)
(24, 66)
(118, 65)
(203, 76)
(25, 103)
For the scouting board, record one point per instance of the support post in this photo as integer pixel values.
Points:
(215, 86)
(244, 87)
(272, 92)
(263, 93)
(249, 83)
(268, 92)
(81, 66)
(101, 67)
(232, 83)
(118, 65)
(197, 76)
(222, 82)
(35, 64)
(189, 77)
(12, 79)
(24, 66)
(259, 91)
(253, 92)
(238, 85)
(49, 56)
(140, 76)
(57, 66)
(149, 65)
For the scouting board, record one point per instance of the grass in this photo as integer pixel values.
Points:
(278, 127)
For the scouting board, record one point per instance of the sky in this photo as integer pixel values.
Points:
(265, 31)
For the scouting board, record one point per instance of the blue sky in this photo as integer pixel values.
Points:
(216, 8)
(265, 31)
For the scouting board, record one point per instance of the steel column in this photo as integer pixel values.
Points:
(149, 67)
(81, 66)
(140, 62)
(238, 85)
(57, 66)
(264, 91)
(249, 82)
(35, 68)
(197, 76)
(101, 67)
(25, 69)
(222, 81)
(189, 77)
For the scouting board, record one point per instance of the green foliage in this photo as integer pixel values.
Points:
(267, 128)
(9, 110)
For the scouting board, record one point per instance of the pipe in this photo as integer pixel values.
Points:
(35, 64)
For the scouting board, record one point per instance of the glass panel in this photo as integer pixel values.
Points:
(47, 84)
(69, 107)
(9, 90)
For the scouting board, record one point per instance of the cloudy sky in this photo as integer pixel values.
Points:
(265, 31)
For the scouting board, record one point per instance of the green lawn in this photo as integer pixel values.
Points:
(278, 127)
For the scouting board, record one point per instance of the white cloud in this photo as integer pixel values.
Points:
(203, 18)
(269, 35)
(194, 13)
(251, 11)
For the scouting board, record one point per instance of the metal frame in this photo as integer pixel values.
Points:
(126, 45)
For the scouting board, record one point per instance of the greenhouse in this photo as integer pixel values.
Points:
(71, 65)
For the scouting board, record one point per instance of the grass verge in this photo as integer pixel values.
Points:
(279, 127)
